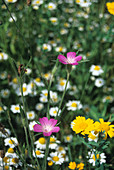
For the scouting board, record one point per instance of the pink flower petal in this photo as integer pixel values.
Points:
(43, 121)
(71, 55)
(52, 122)
(56, 129)
(47, 134)
(62, 59)
(78, 58)
(37, 128)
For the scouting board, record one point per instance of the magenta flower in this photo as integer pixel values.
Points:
(47, 126)
(71, 58)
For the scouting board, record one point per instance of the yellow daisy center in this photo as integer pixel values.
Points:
(24, 89)
(10, 0)
(68, 138)
(52, 140)
(62, 83)
(50, 6)
(37, 79)
(54, 111)
(5, 93)
(15, 80)
(5, 159)
(10, 150)
(30, 114)
(38, 152)
(16, 108)
(6, 167)
(60, 148)
(15, 160)
(1, 108)
(97, 156)
(55, 158)
(32, 85)
(60, 49)
(108, 98)
(78, 1)
(37, 2)
(42, 141)
(97, 68)
(11, 141)
(73, 105)
(45, 94)
(45, 47)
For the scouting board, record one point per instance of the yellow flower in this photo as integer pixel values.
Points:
(80, 166)
(83, 126)
(106, 128)
(72, 165)
(110, 7)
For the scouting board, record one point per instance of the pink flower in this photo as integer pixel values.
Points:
(47, 126)
(71, 58)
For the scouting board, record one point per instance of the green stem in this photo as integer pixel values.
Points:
(46, 153)
(68, 75)
(48, 115)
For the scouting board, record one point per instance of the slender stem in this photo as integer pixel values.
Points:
(68, 75)
(46, 153)
(48, 115)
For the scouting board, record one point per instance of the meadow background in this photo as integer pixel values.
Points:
(29, 35)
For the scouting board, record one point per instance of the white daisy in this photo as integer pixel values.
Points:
(15, 108)
(96, 70)
(108, 98)
(53, 142)
(99, 82)
(10, 1)
(41, 143)
(38, 153)
(98, 156)
(3, 75)
(31, 115)
(54, 20)
(74, 105)
(60, 49)
(68, 138)
(31, 125)
(53, 97)
(93, 136)
(39, 106)
(61, 84)
(53, 111)
(51, 6)
(46, 47)
(28, 71)
(11, 142)
(38, 82)
(56, 158)
(3, 56)
(5, 93)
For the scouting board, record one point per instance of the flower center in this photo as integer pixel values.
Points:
(54, 111)
(50, 163)
(10, 150)
(97, 68)
(68, 138)
(15, 160)
(73, 105)
(30, 114)
(1, 108)
(108, 98)
(97, 156)
(52, 140)
(60, 49)
(62, 83)
(16, 108)
(45, 47)
(10, 0)
(37, 2)
(70, 60)
(60, 148)
(11, 141)
(24, 89)
(45, 94)
(5, 159)
(15, 80)
(6, 167)
(38, 152)
(55, 158)
(37, 79)
(42, 141)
